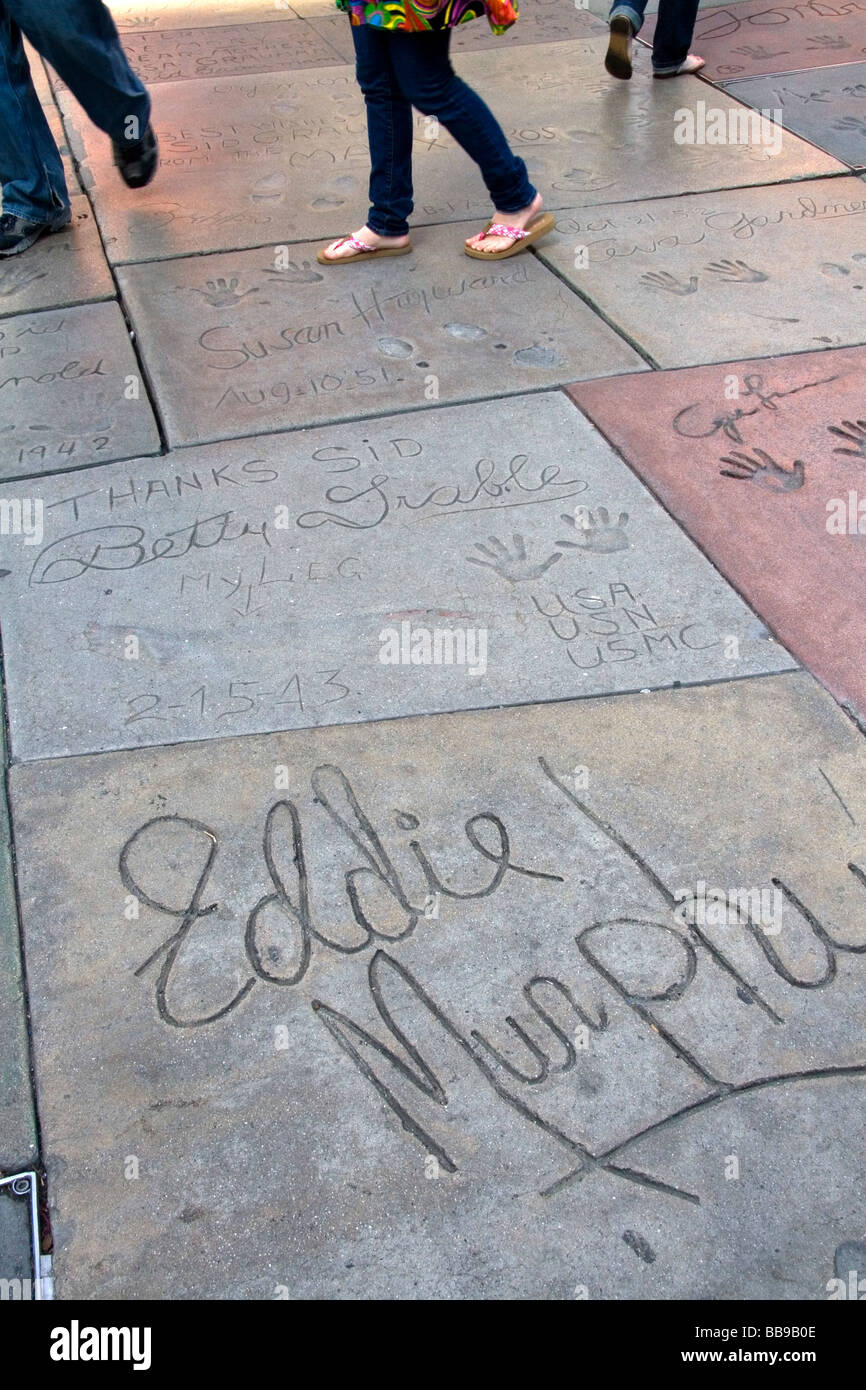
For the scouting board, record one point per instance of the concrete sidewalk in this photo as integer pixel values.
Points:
(419, 901)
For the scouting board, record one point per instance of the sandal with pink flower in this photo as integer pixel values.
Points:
(521, 237)
(361, 250)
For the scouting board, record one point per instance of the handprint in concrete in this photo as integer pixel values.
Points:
(514, 567)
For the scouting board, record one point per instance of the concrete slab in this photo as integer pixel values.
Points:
(71, 392)
(238, 989)
(294, 554)
(764, 481)
(167, 55)
(284, 158)
(18, 1148)
(68, 268)
(719, 276)
(133, 16)
(245, 343)
(39, 75)
(755, 37)
(825, 105)
(314, 8)
(55, 125)
(335, 29)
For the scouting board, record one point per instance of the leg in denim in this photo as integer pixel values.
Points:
(31, 170)
(675, 27)
(423, 71)
(389, 130)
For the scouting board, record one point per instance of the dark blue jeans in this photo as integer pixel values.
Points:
(79, 39)
(397, 70)
(674, 28)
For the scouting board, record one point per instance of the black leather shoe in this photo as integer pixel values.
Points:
(16, 233)
(137, 162)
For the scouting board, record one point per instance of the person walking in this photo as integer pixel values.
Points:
(671, 40)
(80, 41)
(402, 60)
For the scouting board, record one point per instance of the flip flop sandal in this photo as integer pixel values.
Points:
(537, 228)
(363, 252)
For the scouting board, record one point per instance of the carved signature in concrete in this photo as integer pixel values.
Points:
(283, 935)
(516, 483)
(701, 421)
(112, 548)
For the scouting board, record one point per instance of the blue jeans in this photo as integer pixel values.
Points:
(397, 70)
(674, 28)
(79, 39)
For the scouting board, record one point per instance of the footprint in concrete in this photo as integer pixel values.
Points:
(538, 356)
(395, 347)
(270, 188)
(582, 180)
(335, 193)
(468, 332)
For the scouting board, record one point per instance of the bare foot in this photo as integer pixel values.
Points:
(690, 64)
(341, 248)
(482, 242)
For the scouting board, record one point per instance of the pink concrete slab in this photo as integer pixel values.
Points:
(764, 464)
(758, 37)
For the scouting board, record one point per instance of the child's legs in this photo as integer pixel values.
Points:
(427, 80)
(389, 130)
